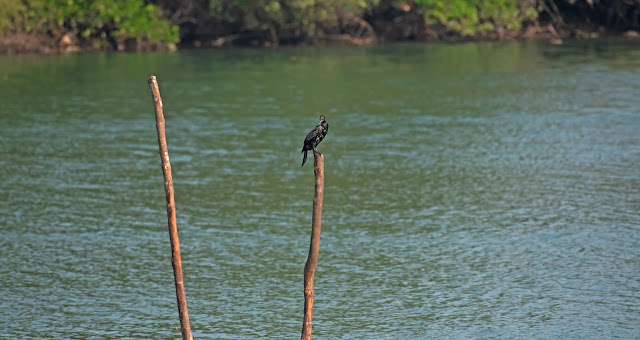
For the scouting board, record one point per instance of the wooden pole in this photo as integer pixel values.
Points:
(314, 246)
(176, 262)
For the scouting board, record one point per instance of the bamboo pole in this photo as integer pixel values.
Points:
(176, 262)
(314, 246)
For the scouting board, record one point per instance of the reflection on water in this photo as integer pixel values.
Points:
(472, 191)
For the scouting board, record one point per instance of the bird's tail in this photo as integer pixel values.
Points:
(304, 158)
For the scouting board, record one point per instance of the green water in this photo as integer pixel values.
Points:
(487, 191)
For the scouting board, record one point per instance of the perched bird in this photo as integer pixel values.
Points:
(314, 137)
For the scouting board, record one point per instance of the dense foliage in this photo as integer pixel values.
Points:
(104, 23)
(90, 20)
(471, 17)
(291, 19)
(10, 12)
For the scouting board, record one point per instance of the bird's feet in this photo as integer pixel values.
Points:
(316, 151)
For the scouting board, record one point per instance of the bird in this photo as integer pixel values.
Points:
(314, 137)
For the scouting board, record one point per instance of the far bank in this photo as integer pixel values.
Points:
(50, 27)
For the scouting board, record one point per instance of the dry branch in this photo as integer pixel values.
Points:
(314, 246)
(176, 262)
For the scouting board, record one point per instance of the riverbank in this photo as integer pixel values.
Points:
(20, 43)
(38, 27)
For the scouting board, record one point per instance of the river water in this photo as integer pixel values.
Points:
(477, 190)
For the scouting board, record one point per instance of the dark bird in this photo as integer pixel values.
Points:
(314, 137)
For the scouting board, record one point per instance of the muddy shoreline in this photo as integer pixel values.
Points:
(44, 44)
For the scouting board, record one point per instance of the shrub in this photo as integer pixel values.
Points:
(472, 17)
(91, 19)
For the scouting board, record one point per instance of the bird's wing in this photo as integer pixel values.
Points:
(311, 135)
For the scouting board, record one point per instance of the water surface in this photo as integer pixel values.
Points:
(484, 191)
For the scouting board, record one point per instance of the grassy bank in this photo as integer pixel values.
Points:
(43, 26)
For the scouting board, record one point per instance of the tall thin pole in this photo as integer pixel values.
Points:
(176, 262)
(314, 246)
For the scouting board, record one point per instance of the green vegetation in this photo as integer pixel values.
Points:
(10, 11)
(471, 17)
(93, 20)
(315, 18)
(291, 19)
(107, 19)
(111, 24)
